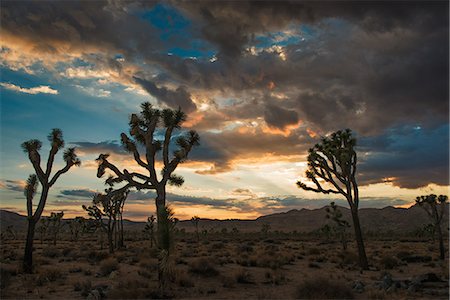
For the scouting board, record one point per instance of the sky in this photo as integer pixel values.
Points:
(261, 82)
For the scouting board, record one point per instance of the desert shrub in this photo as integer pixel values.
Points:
(149, 264)
(83, 286)
(217, 246)
(389, 262)
(181, 278)
(133, 289)
(243, 276)
(66, 251)
(322, 288)
(313, 265)
(228, 282)
(244, 248)
(107, 266)
(203, 266)
(275, 277)
(75, 270)
(6, 272)
(96, 256)
(50, 252)
(403, 254)
(48, 275)
(314, 251)
(349, 258)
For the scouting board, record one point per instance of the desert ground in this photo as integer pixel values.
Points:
(227, 266)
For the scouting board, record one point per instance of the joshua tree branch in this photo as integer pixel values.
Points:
(166, 145)
(59, 173)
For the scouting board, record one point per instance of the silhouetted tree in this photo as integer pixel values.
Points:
(142, 131)
(144, 127)
(54, 224)
(265, 227)
(430, 204)
(165, 233)
(76, 226)
(149, 229)
(194, 221)
(104, 210)
(341, 225)
(32, 147)
(334, 162)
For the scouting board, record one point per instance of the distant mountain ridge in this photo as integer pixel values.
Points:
(386, 219)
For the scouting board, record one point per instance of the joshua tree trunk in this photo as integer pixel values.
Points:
(28, 257)
(359, 240)
(441, 242)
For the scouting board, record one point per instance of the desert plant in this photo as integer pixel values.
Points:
(340, 225)
(430, 204)
(334, 161)
(149, 230)
(55, 225)
(32, 147)
(107, 206)
(322, 288)
(265, 227)
(76, 226)
(195, 220)
(142, 131)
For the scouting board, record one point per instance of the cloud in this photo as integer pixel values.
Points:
(81, 193)
(279, 117)
(408, 157)
(13, 185)
(42, 89)
(172, 98)
(95, 92)
(243, 192)
(100, 147)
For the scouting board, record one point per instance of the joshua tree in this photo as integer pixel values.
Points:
(166, 228)
(430, 204)
(333, 161)
(76, 227)
(194, 221)
(265, 229)
(42, 229)
(107, 205)
(55, 224)
(32, 147)
(150, 229)
(335, 215)
(143, 129)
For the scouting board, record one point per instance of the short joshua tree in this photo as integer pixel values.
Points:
(435, 207)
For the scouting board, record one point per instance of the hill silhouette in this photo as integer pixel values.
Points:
(399, 220)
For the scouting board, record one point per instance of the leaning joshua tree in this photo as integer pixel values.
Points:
(149, 229)
(144, 128)
(430, 204)
(333, 162)
(46, 179)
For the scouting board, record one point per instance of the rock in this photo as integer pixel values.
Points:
(387, 281)
(113, 274)
(358, 286)
(416, 259)
(94, 295)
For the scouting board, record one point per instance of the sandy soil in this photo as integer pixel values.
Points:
(231, 268)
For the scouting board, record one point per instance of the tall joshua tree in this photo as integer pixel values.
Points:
(46, 180)
(430, 204)
(333, 161)
(144, 127)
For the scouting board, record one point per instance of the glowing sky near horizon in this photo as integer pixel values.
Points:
(261, 83)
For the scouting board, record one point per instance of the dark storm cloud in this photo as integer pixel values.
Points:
(279, 117)
(174, 99)
(369, 66)
(81, 193)
(408, 157)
